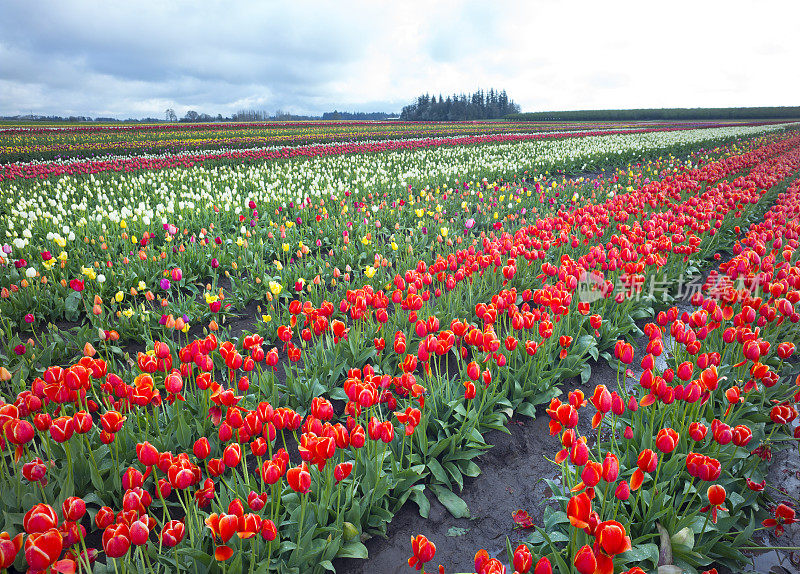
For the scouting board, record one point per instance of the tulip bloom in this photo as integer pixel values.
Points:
(39, 518)
(611, 537)
(579, 508)
(623, 492)
(9, 548)
(716, 498)
(342, 471)
(523, 560)
(784, 514)
(43, 548)
(116, 540)
(299, 478)
(647, 462)
(667, 440)
(585, 561)
(423, 551)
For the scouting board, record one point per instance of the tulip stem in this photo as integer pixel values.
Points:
(783, 493)
(303, 499)
(790, 548)
(253, 556)
(69, 465)
(83, 557)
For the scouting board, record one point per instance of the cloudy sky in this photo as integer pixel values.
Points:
(137, 58)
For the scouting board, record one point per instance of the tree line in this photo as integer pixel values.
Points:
(477, 106)
(666, 114)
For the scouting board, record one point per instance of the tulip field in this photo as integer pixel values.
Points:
(247, 348)
(34, 142)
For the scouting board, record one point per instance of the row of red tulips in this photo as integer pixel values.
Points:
(717, 394)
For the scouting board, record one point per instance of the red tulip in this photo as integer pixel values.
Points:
(139, 533)
(783, 514)
(201, 448)
(697, 431)
(39, 518)
(741, 435)
(268, 530)
(585, 560)
(104, 517)
(249, 526)
(111, 421)
(232, 455)
(623, 492)
(647, 460)
(35, 471)
(73, 508)
(147, 454)
(43, 548)
(9, 548)
(116, 540)
(172, 533)
(18, 432)
(342, 471)
(610, 467)
(667, 440)
(716, 498)
(423, 551)
(523, 560)
(785, 350)
(299, 478)
(579, 508)
(612, 538)
(256, 501)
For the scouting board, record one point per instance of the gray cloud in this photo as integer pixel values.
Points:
(137, 58)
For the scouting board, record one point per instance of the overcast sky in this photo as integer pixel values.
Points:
(137, 58)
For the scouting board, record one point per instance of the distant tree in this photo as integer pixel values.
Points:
(170, 115)
(191, 116)
(661, 114)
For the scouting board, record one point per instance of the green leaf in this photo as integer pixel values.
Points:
(71, 304)
(641, 552)
(418, 496)
(536, 538)
(438, 472)
(453, 470)
(527, 409)
(454, 504)
(586, 372)
(353, 549)
(469, 468)
(557, 517)
(439, 447)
